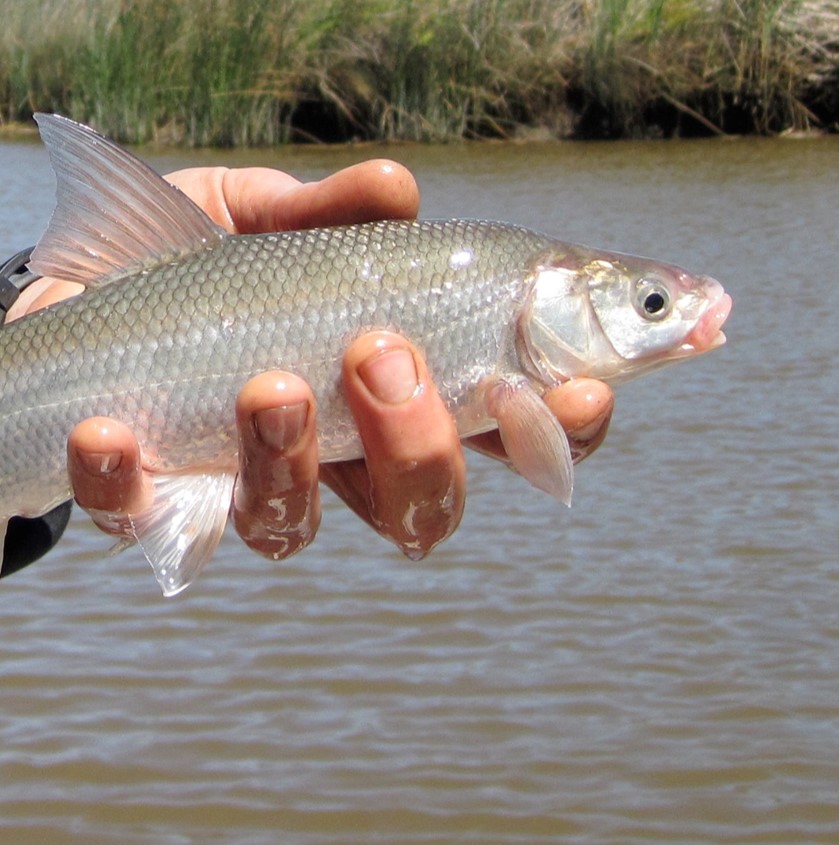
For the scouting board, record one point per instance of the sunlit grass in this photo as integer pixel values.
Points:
(240, 72)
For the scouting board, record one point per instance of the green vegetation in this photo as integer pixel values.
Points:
(240, 72)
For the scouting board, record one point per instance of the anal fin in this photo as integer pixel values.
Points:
(536, 443)
(179, 532)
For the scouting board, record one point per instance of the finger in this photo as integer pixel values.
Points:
(40, 293)
(259, 199)
(232, 197)
(371, 190)
(276, 505)
(104, 462)
(411, 486)
(583, 407)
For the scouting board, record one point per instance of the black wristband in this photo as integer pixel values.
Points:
(29, 539)
(14, 278)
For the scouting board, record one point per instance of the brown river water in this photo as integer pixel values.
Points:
(658, 664)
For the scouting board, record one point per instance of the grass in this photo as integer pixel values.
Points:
(250, 72)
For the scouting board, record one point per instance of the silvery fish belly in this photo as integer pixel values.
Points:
(177, 315)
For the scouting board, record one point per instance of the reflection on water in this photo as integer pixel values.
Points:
(659, 663)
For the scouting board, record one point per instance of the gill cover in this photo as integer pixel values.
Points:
(558, 329)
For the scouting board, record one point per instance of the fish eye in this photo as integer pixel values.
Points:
(652, 300)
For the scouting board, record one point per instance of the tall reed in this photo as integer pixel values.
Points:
(239, 72)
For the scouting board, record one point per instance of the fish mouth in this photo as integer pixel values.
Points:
(707, 333)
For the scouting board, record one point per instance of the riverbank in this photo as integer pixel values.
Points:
(246, 72)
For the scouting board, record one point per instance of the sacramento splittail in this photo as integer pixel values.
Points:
(178, 314)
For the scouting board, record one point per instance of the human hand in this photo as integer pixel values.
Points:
(413, 460)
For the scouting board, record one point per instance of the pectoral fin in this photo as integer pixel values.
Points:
(536, 443)
(179, 532)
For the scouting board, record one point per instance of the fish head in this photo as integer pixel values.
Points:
(613, 316)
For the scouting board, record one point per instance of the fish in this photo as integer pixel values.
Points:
(178, 314)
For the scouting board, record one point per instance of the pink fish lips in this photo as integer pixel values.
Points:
(707, 334)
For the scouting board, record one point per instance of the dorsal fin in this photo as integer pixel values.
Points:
(113, 212)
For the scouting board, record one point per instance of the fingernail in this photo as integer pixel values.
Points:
(391, 375)
(112, 522)
(590, 431)
(99, 463)
(280, 428)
